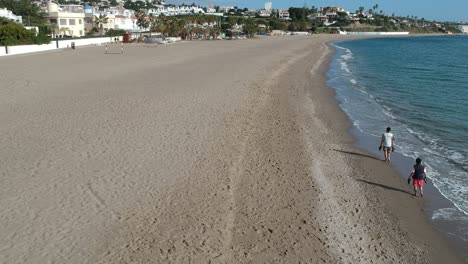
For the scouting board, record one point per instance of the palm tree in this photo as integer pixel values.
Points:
(100, 21)
(64, 30)
(53, 29)
(182, 26)
(142, 21)
(361, 10)
(250, 27)
(152, 21)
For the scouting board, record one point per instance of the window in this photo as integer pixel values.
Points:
(63, 22)
(81, 32)
(79, 21)
(53, 21)
(71, 22)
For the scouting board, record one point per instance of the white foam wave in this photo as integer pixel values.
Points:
(348, 55)
(449, 213)
(389, 114)
(344, 66)
(353, 81)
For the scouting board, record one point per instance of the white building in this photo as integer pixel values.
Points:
(329, 9)
(210, 9)
(9, 15)
(117, 18)
(225, 9)
(175, 10)
(463, 28)
(265, 13)
(68, 18)
(125, 19)
(283, 14)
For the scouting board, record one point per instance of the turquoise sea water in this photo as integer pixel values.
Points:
(419, 87)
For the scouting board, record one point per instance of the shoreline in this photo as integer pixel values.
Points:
(433, 199)
(252, 164)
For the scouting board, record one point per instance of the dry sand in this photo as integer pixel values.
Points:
(199, 152)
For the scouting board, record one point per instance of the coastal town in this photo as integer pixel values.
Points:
(78, 19)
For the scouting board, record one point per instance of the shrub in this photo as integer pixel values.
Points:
(14, 34)
(115, 32)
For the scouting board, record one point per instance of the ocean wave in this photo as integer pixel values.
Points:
(448, 213)
(344, 66)
(389, 114)
(348, 55)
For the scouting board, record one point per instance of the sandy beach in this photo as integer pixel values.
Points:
(197, 152)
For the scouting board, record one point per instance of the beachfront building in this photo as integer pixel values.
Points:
(89, 18)
(116, 17)
(327, 15)
(318, 19)
(463, 28)
(127, 21)
(9, 15)
(68, 19)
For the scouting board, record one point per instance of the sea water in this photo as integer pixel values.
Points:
(418, 86)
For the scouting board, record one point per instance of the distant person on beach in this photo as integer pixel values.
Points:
(418, 175)
(387, 143)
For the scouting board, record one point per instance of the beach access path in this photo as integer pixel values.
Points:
(199, 152)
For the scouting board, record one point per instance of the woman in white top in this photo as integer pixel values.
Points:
(387, 142)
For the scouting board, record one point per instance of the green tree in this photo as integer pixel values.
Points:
(142, 21)
(31, 13)
(115, 32)
(136, 6)
(361, 10)
(292, 26)
(14, 34)
(343, 20)
(250, 27)
(313, 10)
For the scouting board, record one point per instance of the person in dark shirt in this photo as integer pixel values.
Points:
(418, 175)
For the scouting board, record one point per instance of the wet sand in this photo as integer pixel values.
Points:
(198, 152)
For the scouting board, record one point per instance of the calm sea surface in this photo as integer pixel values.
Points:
(419, 87)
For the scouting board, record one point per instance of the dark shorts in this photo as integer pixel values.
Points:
(386, 148)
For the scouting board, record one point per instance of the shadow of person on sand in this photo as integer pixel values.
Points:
(384, 186)
(357, 154)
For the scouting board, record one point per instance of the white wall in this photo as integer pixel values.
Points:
(12, 50)
(85, 42)
(28, 48)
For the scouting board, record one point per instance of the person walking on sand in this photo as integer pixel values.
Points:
(418, 175)
(387, 142)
